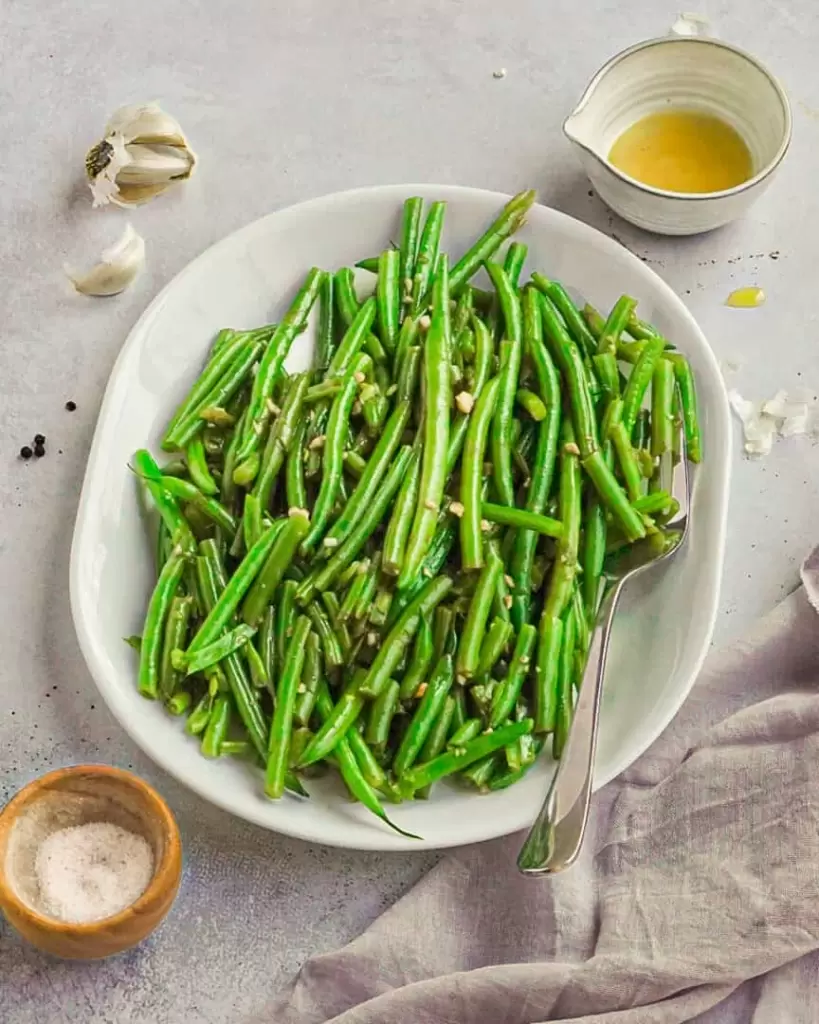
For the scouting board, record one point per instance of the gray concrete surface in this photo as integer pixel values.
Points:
(285, 101)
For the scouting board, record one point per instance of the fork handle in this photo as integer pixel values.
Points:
(556, 836)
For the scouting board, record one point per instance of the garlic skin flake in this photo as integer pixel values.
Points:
(143, 153)
(117, 267)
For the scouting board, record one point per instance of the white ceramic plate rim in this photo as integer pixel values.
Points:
(480, 827)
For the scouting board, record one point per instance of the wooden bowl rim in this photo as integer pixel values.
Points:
(164, 875)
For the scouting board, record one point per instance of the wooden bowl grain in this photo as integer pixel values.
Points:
(73, 796)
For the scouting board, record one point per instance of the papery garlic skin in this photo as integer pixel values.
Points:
(143, 153)
(117, 267)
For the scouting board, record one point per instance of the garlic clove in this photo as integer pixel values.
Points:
(154, 164)
(118, 265)
(143, 147)
(147, 123)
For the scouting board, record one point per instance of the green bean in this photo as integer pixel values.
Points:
(166, 504)
(354, 591)
(508, 375)
(435, 742)
(605, 367)
(198, 466)
(379, 720)
(283, 437)
(214, 510)
(365, 526)
(615, 324)
(493, 645)
(481, 772)
(354, 463)
(330, 643)
(366, 760)
(410, 237)
(217, 727)
(381, 605)
(277, 558)
(521, 519)
(211, 573)
(451, 761)
(282, 723)
(442, 628)
(437, 403)
(506, 696)
(251, 520)
(537, 493)
(658, 503)
(560, 587)
(395, 539)
(377, 467)
(295, 487)
(176, 630)
(351, 773)
(469, 647)
(513, 262)
(235, 748)
(335, 724)
(509, 220)
(214, 652)
(465, 733)
(222, 392)
(388, 297)
(568, 357)
(199, 717)
(178, 703)
(285, 617)
(484, 354)
(258, 670)
(501, 599)
(247, 470)
(565, 675)
(662, 416)
(407, 340)
(347, 303)
(400, 636)
(639, 381)
(235, 342)
(325, 338)
(427, 259)
(613, 496)
(502, 780)
(272, 361)
(159, 606)
(472, 476)
(227, 486)
(578, 328)
(333, 457)
(365, 598)
(422, 658)
(311, 677)
(430, 706)
(688, 401)
(532, 404)
(594, 545)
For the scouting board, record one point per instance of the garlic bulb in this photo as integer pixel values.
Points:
(117, 267)
(143, 153)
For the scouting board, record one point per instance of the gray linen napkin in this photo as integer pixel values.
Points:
(696, 897)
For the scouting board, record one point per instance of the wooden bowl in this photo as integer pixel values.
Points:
(74, 796)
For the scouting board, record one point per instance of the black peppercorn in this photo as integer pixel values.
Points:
(71, 406)
(26, 452)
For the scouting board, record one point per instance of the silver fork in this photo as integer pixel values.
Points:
(555, 838)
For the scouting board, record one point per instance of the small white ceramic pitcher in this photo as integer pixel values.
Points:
(685, 69)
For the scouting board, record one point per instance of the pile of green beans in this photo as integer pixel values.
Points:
(390, 565)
